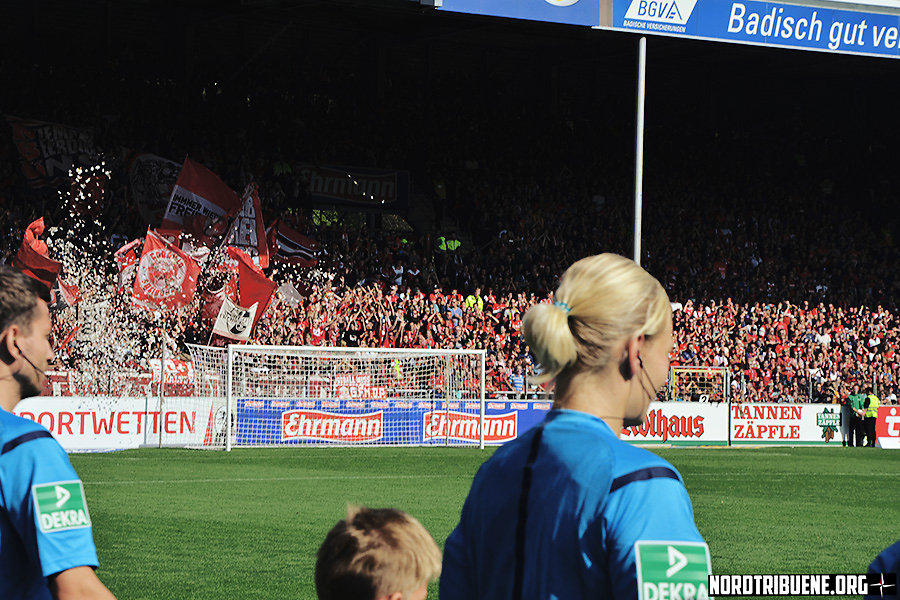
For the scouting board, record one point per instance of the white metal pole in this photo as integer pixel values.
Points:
(447, 403)
(162, 385)
(481, 416)
(639, 148)
(229, 364)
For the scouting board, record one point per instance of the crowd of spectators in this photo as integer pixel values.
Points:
(781, 279)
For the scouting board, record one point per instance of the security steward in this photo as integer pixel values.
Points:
(856, 416)
(871, 417)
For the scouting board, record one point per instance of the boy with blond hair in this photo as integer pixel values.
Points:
(376, 554)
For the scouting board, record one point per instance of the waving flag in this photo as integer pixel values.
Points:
(127, 259)
(198, 191)
(289, 246)
(235, 322)
(248, 233)
(32, 257)
(65, 294)
(166, 276)
(253, 286)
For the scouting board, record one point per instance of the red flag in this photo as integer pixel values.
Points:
(166, 276)
(254, 287)
(198, 191)
(69, 338)
(127, 259)
(32, 257)
(289, 246)
(68, 294)
(207, 231)
(248, 233)
(211, 303)
(172, 236)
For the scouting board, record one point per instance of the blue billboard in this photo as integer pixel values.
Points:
(763, 23)
(292, 421)
(572, 12)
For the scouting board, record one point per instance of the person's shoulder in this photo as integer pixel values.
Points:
(14, 428)
(632, 461)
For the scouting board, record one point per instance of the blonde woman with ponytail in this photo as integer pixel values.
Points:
(568, 510)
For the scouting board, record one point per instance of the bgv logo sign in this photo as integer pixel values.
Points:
(661, 11)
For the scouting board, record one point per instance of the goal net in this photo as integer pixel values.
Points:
(698, 384)
(310, 395)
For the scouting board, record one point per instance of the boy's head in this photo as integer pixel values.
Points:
(376, 554)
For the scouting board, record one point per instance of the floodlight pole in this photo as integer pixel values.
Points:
(639, 147)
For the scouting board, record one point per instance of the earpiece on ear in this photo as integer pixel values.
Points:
(640, 362)
(625, 368)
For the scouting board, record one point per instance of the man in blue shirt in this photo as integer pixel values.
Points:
(46, 543)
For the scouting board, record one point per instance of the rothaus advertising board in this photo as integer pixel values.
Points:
(682, 424)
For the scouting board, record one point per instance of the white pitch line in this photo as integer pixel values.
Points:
(388, 477)
(254, 479)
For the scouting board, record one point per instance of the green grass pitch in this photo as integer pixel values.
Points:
(181, 524)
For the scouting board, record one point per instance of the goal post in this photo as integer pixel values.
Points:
(698, 384)
(320, 396)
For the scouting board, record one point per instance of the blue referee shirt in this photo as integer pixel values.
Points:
(44, 525)
(886, 562)
(556, 514)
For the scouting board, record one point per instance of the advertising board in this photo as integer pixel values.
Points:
(99, 423)
(572, 12)
(90, 424)
(801, 424)
(776, 24)
(289, 421)
(682, 424)
(887, 427)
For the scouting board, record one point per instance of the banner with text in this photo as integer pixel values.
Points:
(48, 150)
(90, 424)
(761, 24)
(683, 424)
(366, 421)
(379, 189)
(572, 12)
(785, 424)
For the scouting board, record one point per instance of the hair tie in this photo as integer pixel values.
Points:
(563, 306)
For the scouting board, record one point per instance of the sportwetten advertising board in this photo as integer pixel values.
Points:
(98, 423)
